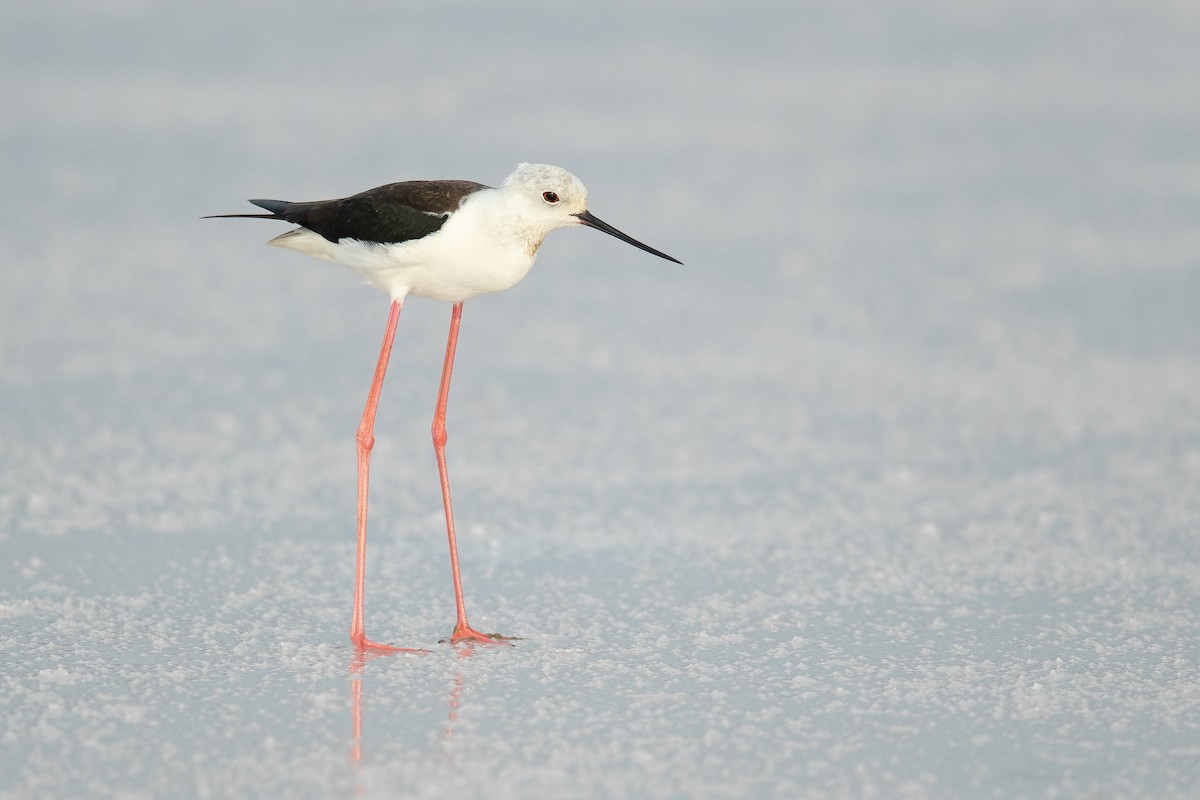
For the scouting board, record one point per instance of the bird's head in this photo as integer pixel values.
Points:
(554, 198)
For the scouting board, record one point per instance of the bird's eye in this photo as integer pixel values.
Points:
(550, 197)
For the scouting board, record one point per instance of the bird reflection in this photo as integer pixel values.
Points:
(358, 662)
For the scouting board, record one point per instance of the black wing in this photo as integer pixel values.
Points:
(397, 212)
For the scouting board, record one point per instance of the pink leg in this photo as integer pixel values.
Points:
(366, 440)
(463, 632)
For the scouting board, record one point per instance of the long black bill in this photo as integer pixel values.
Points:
(593, 222)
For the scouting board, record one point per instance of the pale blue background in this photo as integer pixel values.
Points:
(892, 491)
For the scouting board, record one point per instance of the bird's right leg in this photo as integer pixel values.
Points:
(366, 440)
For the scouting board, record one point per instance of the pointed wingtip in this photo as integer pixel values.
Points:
(276, 207)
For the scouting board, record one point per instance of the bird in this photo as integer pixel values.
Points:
(447, 240)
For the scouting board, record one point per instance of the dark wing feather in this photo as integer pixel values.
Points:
(397, 212)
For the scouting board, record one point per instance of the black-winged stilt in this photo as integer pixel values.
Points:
(445, 240)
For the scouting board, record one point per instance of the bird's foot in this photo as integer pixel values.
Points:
(365, 645)
(464, 633)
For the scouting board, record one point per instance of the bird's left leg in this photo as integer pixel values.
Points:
(463, 632)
